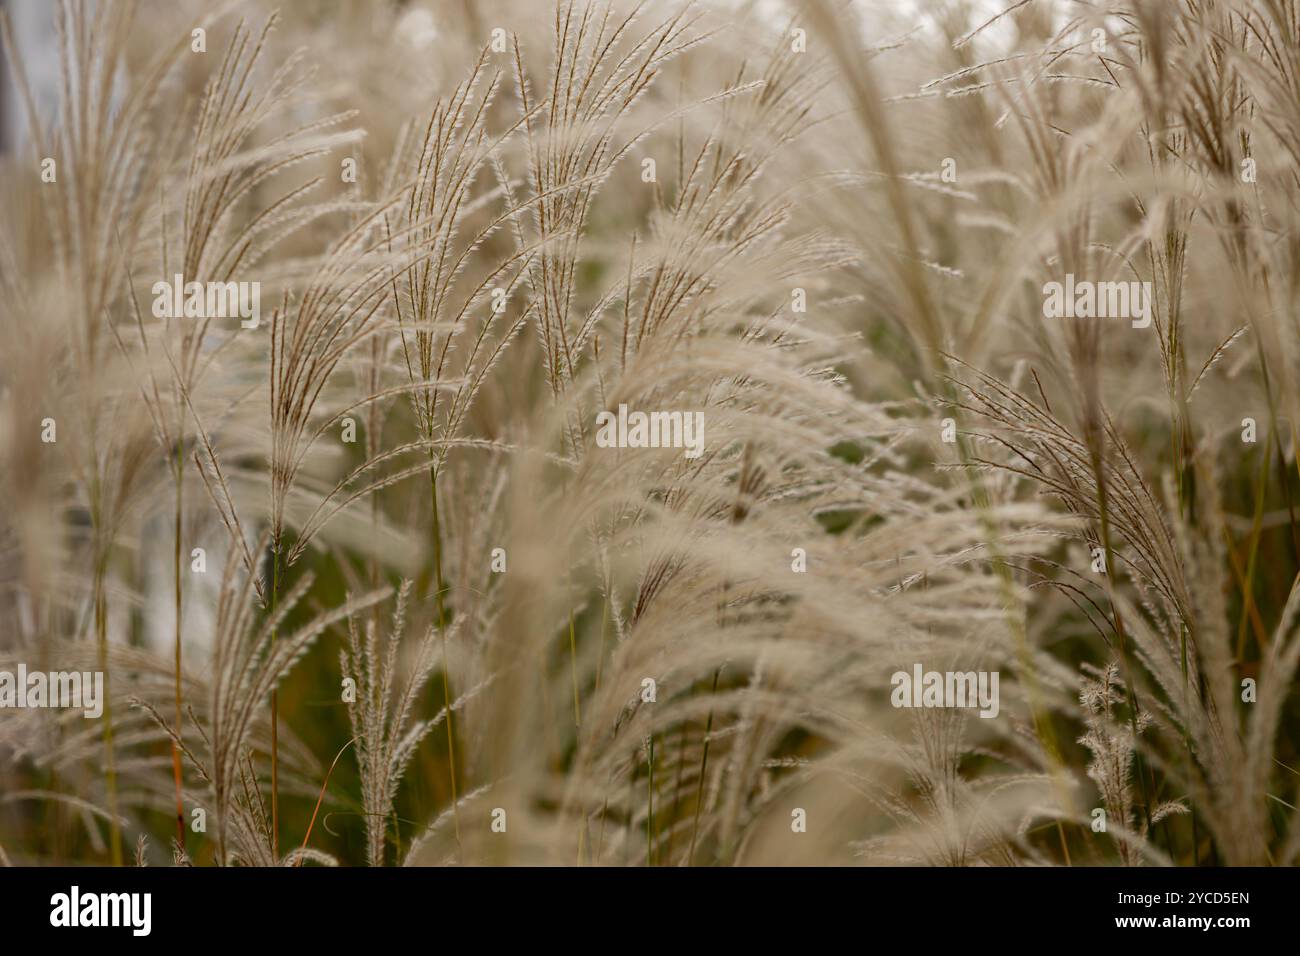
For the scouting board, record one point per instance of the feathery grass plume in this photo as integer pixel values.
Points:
(456, 150)
(603, 62)
(383, 714)
(248, 662)
(1112, 745)
(823, 235)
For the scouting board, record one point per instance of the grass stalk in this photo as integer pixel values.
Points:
(275, 712)
(440, 610)
(176, 581)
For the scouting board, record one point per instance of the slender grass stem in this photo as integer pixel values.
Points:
(176, 580)
(275, 711)
(573, 669)
(677, 791)
(440, 609)
(650, 803)
(110, 764)
(704, 766)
